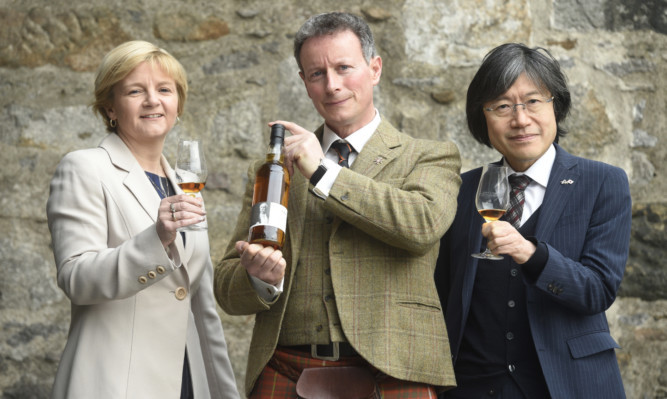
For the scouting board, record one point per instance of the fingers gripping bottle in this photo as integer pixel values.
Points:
(268, 219)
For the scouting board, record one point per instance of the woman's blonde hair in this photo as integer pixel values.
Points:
(120, 61)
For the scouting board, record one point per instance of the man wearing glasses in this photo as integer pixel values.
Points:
(532, 325)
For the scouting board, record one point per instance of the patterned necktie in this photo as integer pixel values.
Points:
(519, 184)
(343, 150)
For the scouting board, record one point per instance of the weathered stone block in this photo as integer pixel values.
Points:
(646, 272)
(187, 27)
(613, 15)
(73, 38)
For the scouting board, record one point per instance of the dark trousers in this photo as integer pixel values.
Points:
(508, 391)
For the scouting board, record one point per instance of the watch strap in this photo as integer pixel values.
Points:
(317, 175)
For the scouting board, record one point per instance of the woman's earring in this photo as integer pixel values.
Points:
(178, 120)
(112, 122)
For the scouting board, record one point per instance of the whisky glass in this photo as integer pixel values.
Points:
(492, 199)
(191, 174)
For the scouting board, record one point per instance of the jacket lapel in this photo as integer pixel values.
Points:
(562, 181)
(379, 151)
(297, 206)
(474, 246)
(298, 200)
(136, 180)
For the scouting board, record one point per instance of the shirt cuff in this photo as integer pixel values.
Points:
(266, 291)
(326, 182)
(534, 266)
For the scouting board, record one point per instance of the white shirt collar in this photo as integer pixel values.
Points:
(357, 139)
(541, 169)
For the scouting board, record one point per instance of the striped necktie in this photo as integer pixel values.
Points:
(519, 184)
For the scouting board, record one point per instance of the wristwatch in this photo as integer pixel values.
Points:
(317, 175)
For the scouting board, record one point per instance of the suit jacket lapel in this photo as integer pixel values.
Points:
(296, 206)
(474, 246)
(379, 151)
(136, 179)
(137, 182)
(298, 200)
(557, 193)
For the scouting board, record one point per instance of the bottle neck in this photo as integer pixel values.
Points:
(275, 151)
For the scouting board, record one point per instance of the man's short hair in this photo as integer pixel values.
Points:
(335, 22)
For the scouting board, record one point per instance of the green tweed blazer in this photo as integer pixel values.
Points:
(391, 209)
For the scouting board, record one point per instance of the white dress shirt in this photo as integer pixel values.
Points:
(357, 140)
(539, 173)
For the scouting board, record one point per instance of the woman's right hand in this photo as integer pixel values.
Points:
(177, 211)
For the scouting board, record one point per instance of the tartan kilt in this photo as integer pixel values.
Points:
(278, 378)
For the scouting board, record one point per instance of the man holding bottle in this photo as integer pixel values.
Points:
(352, 290)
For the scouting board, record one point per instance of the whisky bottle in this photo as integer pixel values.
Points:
(268, 219)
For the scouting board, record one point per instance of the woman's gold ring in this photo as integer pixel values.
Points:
(171, 206)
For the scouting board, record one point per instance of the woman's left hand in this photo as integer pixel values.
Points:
(177, 211)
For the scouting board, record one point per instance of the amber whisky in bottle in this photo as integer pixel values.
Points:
(268, 219)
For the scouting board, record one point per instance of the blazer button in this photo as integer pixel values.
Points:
(152, 274)
(181, 293)
(143, 280)
(160, 269)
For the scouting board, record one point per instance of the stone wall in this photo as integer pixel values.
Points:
(242, 75)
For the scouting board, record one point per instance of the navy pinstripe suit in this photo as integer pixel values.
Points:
(586, 226)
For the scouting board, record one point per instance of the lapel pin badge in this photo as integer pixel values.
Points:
(378, 160)
(569, 181)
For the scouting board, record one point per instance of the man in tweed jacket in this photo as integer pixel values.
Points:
(356, 272)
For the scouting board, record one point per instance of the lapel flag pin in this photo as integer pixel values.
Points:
(378, 160)
(569, 181)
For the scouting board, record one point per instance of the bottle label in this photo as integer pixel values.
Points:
(269, 214)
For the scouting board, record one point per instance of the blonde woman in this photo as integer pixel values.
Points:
(144, 322)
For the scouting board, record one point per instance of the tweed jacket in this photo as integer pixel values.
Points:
(585, 221)
(390, 210)
(134, 310)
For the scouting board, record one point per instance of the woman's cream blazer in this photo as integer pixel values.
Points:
(135, 310)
